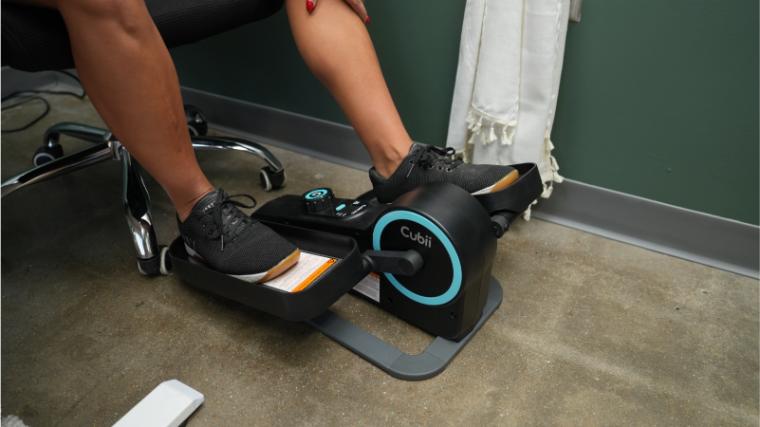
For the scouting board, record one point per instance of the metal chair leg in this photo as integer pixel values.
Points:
(137, 212)
(75, 130)
(238, 144)
(272, 175)
(57, 167)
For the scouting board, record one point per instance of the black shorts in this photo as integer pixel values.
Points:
(34, 38)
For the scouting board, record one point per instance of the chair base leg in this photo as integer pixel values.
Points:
(88, 157)
(272, 176)
(136, 202)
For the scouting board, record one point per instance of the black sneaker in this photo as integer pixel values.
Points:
(427, 164)
(218, 234)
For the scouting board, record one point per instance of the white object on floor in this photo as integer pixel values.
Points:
(12, 421)
(510, 62)
(168, 405)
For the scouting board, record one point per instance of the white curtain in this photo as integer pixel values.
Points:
(510, 62)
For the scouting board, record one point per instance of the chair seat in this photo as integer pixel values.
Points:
(35, 39)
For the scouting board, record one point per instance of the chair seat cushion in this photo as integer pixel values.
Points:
(35, 39)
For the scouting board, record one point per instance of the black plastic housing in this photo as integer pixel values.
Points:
(454, 211)
(467, 225)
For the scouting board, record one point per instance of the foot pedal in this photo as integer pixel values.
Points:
(292, 296)
(506, 205)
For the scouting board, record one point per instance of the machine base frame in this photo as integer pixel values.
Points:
(413, 367)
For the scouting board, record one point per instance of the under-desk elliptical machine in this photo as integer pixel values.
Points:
(433, 248)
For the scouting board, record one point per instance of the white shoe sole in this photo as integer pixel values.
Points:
(501, 184)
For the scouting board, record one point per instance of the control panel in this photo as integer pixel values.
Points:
(322, 201)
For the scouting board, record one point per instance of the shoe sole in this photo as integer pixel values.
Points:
(284, 265)
(501, 184)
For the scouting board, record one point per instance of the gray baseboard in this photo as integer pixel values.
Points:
(707, 239)
(696, 236)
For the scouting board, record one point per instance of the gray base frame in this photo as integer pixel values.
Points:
(413, 367)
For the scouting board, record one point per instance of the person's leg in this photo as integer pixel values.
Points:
(128, 74)
(130, 79)
(336, 46)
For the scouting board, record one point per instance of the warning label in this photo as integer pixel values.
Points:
(369, 286)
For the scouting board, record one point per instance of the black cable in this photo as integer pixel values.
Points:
(72, 75)
(23, 101)
(33, 121)
(33, 95)
(44, 92)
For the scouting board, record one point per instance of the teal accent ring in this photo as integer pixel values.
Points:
(316, 194)
(456, 265)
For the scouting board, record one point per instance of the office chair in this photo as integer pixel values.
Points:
(35, 39)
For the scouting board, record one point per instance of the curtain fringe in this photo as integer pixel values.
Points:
(554, 176)
(487, 130)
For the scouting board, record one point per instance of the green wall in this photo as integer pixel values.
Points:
(417, 42)
(658, 98)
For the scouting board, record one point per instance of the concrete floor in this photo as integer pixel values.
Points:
(591, 331)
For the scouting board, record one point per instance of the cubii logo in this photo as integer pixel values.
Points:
(418, 237)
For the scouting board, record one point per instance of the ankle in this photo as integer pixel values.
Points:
(185, 206)
(391, 157)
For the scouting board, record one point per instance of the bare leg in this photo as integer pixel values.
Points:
(130, 78)
(337, 48)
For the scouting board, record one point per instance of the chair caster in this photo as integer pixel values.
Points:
(156, 266)
(271, 180)
(196, 121)
(47, 153)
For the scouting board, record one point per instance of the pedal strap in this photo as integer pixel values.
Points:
(517, 197)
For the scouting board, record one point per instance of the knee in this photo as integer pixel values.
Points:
(130, 16)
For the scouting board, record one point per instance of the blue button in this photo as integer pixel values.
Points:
(340, 207)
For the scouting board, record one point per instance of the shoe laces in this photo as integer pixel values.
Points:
(237, 221)
(433, 156)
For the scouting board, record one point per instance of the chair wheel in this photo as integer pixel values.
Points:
(196, 121)
(166, 262)
(150, 267)
(47, 153)
(159, 265)
(271, 180)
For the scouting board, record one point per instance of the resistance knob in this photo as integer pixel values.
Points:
(319, 200)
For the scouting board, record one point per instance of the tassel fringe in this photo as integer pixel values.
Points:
(553, 172)
(487, 130)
